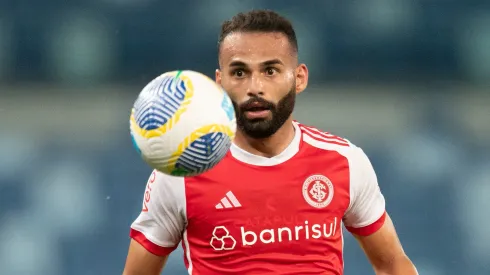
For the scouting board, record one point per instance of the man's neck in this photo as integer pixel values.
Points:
(267, 147)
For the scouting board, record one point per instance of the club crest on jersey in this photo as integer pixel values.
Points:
(318, 191)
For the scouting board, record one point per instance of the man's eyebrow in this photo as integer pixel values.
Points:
(237, 64)
(272, 62)
(264, 64)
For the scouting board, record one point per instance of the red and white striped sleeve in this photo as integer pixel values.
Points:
(366, 212)
(160, 225)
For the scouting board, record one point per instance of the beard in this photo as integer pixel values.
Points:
(260, 128)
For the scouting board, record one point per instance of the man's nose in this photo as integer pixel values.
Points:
(255, 86)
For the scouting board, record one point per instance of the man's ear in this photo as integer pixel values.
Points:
(217, 77)
(301, 78)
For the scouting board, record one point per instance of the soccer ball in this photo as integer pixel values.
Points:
(182, 123)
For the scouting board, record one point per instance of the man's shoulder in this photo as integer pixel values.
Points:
(161, 184)
(324, 143)
(324, 140)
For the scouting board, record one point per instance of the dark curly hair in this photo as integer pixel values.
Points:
(259, 21)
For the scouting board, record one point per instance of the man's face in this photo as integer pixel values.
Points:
(259, 72)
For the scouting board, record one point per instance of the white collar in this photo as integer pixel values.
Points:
(246, 157)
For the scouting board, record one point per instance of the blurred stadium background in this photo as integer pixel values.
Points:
(407, 80)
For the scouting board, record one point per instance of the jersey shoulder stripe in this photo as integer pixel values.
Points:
(325, 137)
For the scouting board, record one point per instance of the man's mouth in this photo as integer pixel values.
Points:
(257, 111)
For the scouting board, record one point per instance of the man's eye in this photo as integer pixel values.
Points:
(270, 71)
(238, 73)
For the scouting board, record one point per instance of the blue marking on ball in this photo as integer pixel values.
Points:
(135, 144)
(159, 101)
(227, 106)
(203, 153)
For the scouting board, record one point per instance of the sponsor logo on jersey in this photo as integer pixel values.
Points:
(223, 240)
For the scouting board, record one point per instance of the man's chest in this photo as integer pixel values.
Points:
(268, 209)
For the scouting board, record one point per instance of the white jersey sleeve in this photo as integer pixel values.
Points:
(162, 221)
(366, 211)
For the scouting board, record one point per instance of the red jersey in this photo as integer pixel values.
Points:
(258, 215)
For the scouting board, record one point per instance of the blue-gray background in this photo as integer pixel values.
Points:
(406, 80)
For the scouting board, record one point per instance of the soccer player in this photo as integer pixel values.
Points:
(277, 202)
